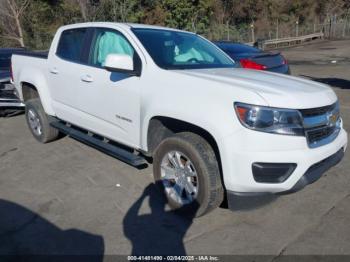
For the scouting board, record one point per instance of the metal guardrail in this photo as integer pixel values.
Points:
(288, 41)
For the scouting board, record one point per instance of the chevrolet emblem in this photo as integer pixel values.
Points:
(332, 118)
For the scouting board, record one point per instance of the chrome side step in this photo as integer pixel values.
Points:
(11, 104)
(9, 99)
(99, 143)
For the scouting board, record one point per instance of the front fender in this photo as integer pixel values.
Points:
(215, 123)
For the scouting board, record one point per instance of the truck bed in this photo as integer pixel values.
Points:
(9, 98)
(37, 54)
(36, 63)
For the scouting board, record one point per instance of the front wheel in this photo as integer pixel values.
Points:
(186, 168)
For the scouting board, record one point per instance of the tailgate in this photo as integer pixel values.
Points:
(269, 59)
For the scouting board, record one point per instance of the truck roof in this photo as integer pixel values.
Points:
(122, 25)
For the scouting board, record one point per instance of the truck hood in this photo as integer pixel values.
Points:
(277, 90)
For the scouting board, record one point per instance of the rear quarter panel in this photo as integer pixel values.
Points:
(32, 70)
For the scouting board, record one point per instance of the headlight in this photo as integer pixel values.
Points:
(270, 120)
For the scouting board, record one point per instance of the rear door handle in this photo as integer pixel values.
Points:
(54, 71)
(87, 78)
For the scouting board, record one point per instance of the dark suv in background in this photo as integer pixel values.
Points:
(9, 103)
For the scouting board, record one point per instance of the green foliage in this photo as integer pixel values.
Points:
(40, 23)
(118, 10)
(216, 19)
(188, 15)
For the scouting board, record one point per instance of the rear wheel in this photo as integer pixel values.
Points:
(186, 168)
(38, 122)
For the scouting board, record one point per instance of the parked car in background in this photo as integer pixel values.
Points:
(5, 60)
(9, 102)
(254, 58)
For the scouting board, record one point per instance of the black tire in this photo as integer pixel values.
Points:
(210, 190)
(48, 133)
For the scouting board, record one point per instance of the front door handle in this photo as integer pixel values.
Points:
(87, 78)
(54, 71)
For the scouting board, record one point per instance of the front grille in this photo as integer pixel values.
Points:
(315, 135)
(322, 124)
(317, 111)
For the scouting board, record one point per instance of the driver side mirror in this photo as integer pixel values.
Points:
(120, 63)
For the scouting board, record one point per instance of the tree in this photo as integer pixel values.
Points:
(117, 10)
(41, 22)
(83, 5)
(191, 15)
(34, 22)
(12, 12)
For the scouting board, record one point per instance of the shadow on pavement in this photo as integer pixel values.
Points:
(332, 81)
(161, 232)
(246, 203)
(26, 236)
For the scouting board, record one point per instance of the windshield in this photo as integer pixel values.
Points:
(179, 50)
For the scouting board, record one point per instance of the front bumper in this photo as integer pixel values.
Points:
(246, 147)
(317, 170)
(312, 174)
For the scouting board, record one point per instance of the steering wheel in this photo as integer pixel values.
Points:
(193, 60)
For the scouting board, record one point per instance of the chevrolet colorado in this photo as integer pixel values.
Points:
(213, 129)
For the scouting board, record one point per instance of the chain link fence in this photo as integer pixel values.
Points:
(333, 29)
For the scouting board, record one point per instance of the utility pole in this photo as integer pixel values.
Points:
(345, 23)
(315, 25)
(335, 25)
(253, 33)
(297, 28)
(228, 30)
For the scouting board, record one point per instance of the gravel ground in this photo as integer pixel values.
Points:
(67, 198)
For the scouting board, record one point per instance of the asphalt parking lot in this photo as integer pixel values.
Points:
(67, 198)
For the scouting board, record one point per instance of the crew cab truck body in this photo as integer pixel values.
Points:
(211, 128)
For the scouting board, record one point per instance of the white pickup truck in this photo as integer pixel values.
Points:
(212, 128)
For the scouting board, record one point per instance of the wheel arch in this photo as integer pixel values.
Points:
(32, 89)
(29, 91)
(161, 127)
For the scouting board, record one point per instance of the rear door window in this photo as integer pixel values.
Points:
(71, 44)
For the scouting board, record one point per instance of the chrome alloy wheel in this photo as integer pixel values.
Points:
(34, 122)
(179, 177)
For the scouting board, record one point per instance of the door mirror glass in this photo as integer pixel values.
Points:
(119, 63)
